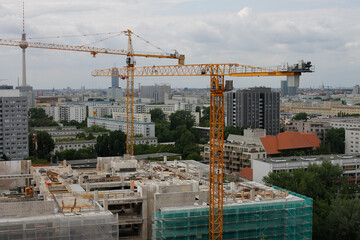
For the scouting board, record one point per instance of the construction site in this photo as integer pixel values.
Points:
(131, 199)
(123, 198)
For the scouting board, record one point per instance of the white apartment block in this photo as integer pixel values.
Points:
(352, 142)
(137, 117)
(67, 113)
(349, 163)
(345, 123)
(147, 129)
(76, 145)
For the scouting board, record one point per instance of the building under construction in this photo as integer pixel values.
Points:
(131, 199)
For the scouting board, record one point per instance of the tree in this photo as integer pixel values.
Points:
(157, 115)
(162, 132)
(96, 129)
(180, 118)
(45, 144)
(38, 118)
(112, 144)
(323, 183)
(301, 116)
(205, 119)
(335, 140)
(344, 219)
(5, 158)
(35, 113)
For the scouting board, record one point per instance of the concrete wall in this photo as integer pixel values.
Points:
(12, 168)
(179, 199)
(26, 209)
(260, 169)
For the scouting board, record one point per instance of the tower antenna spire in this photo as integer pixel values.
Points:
(23, 8)
(23, 46)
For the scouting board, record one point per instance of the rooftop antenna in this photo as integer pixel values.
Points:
(23, 46)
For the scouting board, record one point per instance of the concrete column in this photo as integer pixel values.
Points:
(187, 167)
(195, 186)
(96, 195)
(162, 175)
(64, 163)
(113, 172)
(88, 187)
(80, 179)
(175, 163)
(200, 174)
(252, 194)
(165, 159)
(106, 202)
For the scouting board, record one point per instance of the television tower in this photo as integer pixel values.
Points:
(23, 46)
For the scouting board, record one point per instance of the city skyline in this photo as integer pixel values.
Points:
(259, 34)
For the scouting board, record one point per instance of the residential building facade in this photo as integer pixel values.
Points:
(349, 163)
(312, 126)
(146, 129)
(13, 124)
(255, 108)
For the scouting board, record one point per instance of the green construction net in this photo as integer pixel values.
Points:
(276, 219)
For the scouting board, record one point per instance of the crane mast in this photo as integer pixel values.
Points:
(130, 98)
(217, 72)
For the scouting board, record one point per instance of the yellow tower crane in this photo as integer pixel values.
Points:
(217, 89)
(130, 53)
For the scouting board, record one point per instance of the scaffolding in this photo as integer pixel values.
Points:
(85, 226)
(289, 218)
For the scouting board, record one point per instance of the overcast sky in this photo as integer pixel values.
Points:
(259, 33)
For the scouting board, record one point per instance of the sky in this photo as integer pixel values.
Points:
(258, 33)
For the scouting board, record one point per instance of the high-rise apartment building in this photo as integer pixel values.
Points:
(255, 107)
(156, 92)
(284, 88)
(13, 124)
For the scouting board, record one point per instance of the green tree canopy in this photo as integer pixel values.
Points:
(180, 118)
(37, 113)
(205, 119)
(323, 183)
(335, 140)
(45, 144)
(301, 116)
(96, 129)
(38, 118)
(112, 144)
(157, 115)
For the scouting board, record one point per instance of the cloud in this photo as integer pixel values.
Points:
(245, 12)
(249, 36)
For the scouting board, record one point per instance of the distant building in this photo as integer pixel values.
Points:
(139, 117)
(75, 145)
(352, 142)
(254, 108)
(115, 78)
(284, 88)
(356, 90)
(349, 163)
(14, 124)
(240, 150)
(156, 92)
(290, 141)
(67, 112)
(312, 126)
(146, 129)
(114, 94)
(27, 91)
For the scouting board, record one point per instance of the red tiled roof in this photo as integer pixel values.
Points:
(289, 140)
(246, 173)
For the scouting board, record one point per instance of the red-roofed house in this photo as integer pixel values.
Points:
(290, 142)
